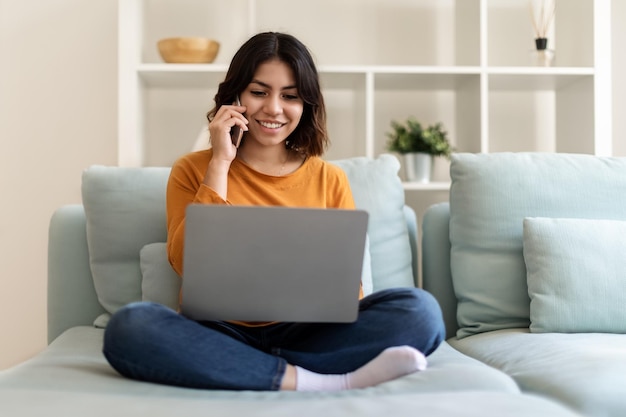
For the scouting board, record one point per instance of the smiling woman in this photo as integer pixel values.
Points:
(272, 93)
(300, 82)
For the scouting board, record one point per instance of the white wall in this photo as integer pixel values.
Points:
(58, 115)
(618, 12)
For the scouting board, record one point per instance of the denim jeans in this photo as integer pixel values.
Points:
(150, 342)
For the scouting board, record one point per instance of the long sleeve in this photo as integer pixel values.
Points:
(185, 187)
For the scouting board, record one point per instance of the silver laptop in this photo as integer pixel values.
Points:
(254, 263)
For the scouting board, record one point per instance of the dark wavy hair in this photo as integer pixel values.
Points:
(310, 137)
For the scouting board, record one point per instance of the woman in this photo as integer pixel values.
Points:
(278, 163)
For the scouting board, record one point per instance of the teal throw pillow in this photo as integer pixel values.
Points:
(159, 283)
(377, 188)
(576, 275)
(125, 210)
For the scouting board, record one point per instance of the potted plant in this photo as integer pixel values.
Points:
(418, 146)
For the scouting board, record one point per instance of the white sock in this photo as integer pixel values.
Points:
(311, 381)
(392, 363)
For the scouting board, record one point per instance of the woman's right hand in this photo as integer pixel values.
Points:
(224, 152)
(225, 119)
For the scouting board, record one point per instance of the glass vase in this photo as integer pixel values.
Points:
(542, 56)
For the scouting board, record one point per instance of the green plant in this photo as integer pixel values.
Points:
(412, 137)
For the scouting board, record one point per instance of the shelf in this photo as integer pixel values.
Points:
(426, 186)
(182, 75)
(431, 80)
(530, 79)
(553, 71)
(178, 68)
(465, 63)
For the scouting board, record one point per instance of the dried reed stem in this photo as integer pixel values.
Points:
(543, 21)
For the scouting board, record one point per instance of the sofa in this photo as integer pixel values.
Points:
(109, 251)
(528, 261)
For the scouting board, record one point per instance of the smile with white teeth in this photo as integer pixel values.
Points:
(270, 125)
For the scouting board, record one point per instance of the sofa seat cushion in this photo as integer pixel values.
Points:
(72, 378)
(74, 362)
(444, 404)
(30, 403)
(584, 371)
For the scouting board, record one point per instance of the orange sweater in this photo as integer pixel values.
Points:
(315, 184)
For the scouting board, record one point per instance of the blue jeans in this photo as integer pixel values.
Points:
(150, 342)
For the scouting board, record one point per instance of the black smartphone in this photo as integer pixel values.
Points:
(236, 132)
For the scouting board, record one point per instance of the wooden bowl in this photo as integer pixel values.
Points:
(188, 50)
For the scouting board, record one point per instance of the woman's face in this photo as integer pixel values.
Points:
(273, 105)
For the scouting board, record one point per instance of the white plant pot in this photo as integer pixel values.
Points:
(418, 167)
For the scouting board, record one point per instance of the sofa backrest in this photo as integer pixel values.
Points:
(490, 198)
(126, 230)
(436, 274)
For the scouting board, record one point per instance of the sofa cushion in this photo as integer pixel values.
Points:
(587, 372)
(125, 210)
(378, 189)
(72, 378)
(576, 275)
(160, 283)
(24, 402)
(88, 371)
(366, 275)
(490, 196)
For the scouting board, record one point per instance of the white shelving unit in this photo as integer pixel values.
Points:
(465, 63)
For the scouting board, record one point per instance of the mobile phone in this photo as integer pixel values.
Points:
(236, 132)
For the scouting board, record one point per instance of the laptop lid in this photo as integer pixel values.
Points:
(254, 263)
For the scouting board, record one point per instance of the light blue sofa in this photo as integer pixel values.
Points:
(109, 251)
(528, 260)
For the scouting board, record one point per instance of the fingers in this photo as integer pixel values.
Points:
(225, 120)
(229, 116)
